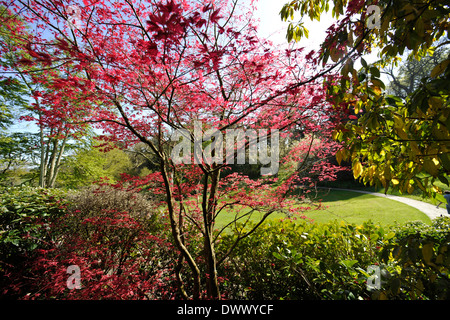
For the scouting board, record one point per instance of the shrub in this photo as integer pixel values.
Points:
(90, 206)
(97, 199)
(25, 217)
(119, 259)
(111, 235)
(286, 260)
(421, 255)
(23, 214)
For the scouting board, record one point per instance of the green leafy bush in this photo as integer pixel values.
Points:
(286, 260)
(421, 255)
(25, 214)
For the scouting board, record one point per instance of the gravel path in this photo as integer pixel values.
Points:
(429, 209)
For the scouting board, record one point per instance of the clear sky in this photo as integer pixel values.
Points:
(273, 28)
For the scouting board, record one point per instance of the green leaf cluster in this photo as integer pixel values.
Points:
(285, 260)
(25, 214)
(92, 163)
(422, 258)
(400, 143)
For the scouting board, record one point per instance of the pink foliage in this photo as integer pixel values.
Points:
(137, 71)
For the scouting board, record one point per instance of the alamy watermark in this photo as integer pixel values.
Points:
(374, 18)
(377, 276)
(213, 139)
(74, 17)
(374, 280)
(74, 280)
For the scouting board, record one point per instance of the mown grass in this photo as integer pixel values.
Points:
(415, 195)
(350, 207)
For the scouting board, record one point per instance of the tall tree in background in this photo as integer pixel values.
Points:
(395, 142)
(90, 164)
(12, 93)
(405, 77)
(141, 70)
(23, 97)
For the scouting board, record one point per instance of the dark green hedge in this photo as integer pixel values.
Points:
(286, 260)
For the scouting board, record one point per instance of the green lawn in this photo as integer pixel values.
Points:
(416, 195)
(357, 208)
(350, 207)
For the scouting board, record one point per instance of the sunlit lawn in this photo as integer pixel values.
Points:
(350, 207)
(357, 208)
(416, 195)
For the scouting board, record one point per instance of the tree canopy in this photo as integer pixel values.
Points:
(396, 142)
(144, 72)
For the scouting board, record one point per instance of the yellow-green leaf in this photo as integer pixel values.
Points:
(350, 38)
(430, 166)
(339, 156)
(334, 54)
(437, 70)
(410, 189)
(335, 135)
(435, 102)
(399, 126)
(306, 32)
(357, 169)
(427, 252)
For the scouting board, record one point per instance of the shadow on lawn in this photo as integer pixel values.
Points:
(327, 195)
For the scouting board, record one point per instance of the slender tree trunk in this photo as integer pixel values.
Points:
(42, 165)
(52, 163)
(46, 157)
(177, 234)
(211, 264)
(209, 209)
(57, 163)
(180, 282)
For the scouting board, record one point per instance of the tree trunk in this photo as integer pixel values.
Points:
(51, 166)
(209, 210)
(42, 166)
(177, 234)
(212, 285)
(57, 163)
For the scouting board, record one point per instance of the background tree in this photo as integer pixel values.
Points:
(21, 98)
(92, 164)
(17, 157)
(404, 144)
(405, 77)
(13, 146)
(143, 160)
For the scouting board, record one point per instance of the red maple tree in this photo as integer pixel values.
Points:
(140, 70)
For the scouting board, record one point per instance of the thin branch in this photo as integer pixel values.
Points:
(239, 238)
